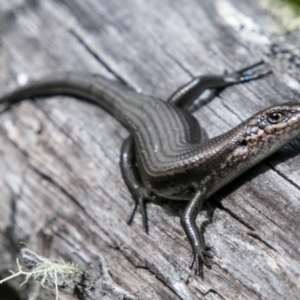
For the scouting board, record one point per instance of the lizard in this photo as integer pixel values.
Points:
(166, 154)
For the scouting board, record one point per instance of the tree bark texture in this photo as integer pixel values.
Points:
(61, 189)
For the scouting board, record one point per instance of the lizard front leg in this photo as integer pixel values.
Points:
(186, 98)
(195, 236)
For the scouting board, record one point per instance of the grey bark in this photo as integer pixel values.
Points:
(61, 189)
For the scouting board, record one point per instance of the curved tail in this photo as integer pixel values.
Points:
(110, 95)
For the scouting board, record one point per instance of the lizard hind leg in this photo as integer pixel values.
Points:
(140, 194)
(141, 201)
(188, 95)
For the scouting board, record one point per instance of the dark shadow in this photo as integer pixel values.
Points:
(7, 292)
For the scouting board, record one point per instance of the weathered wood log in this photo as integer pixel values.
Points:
(61, 188)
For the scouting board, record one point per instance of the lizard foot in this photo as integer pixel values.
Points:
(140, 197)
(243, 75)
(199, 257)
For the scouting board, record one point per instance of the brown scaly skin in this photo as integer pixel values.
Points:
(166, 155)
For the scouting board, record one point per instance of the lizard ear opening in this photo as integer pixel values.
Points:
(244, 143)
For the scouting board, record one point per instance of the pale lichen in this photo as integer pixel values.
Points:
(48, 272)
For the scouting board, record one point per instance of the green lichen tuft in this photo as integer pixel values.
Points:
(286, 11)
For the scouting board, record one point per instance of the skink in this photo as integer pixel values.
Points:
(166, 155)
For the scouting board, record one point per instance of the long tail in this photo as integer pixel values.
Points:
(110, 95)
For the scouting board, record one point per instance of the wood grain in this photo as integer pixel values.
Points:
(61, 188)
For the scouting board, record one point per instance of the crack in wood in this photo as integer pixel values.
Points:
(259, 238)
(284, 176)
(97, 57)
(54, 183)
(238, 218)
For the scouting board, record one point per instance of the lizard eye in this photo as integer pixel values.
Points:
(275, 117)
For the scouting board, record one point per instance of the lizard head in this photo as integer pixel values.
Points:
(271, 129)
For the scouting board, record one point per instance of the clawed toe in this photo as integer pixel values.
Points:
(243, 75)
(140, 197)
(199, 258)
